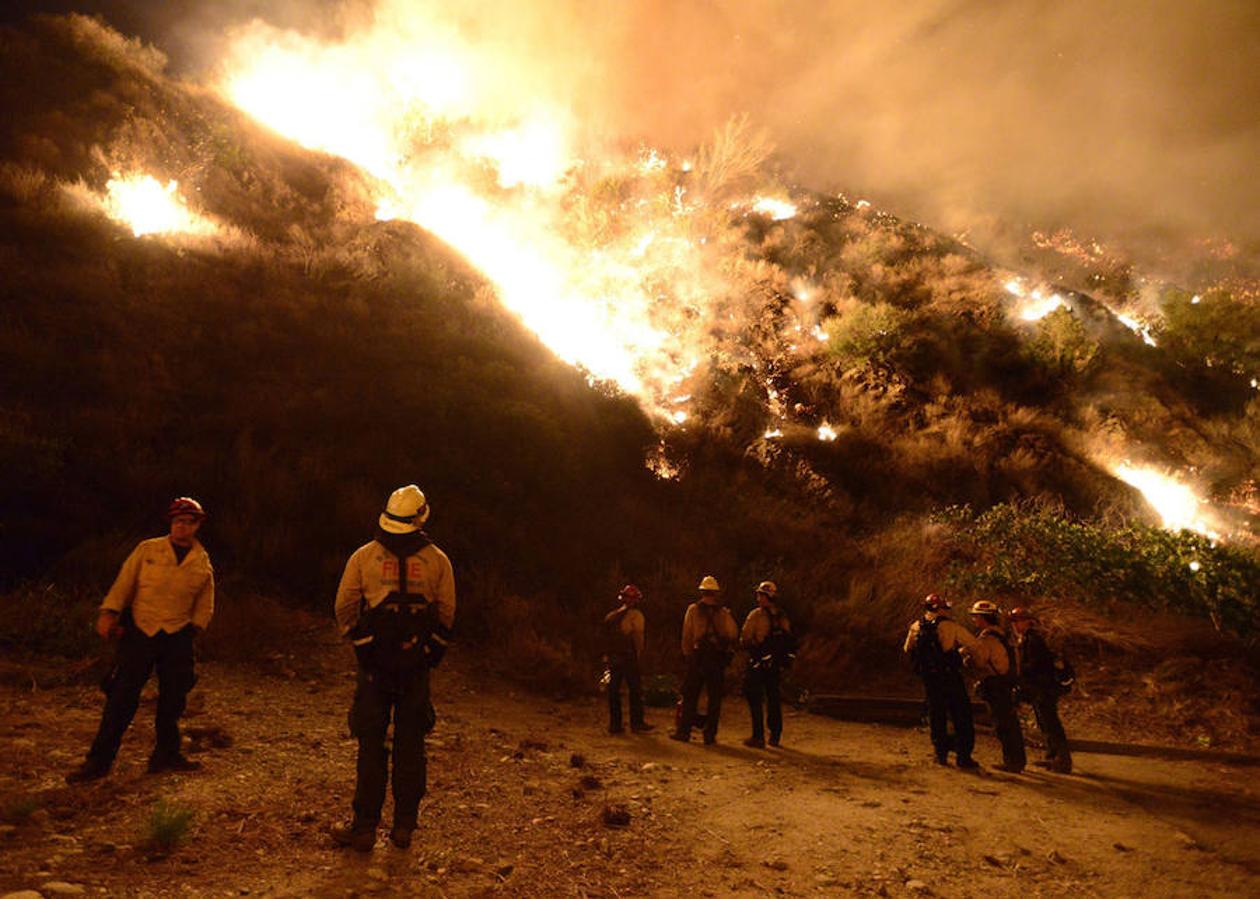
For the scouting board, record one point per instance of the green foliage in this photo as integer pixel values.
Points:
(1031, 553)
(1219, 329)
(1062, 345)
(48, 620)
(865, 333)
(168, 825)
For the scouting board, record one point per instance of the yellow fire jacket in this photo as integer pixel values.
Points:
(164, 595)
(372, 574)
(632, 626)
(988, 658)
(757, 627)
(948, 632)
(695, 627)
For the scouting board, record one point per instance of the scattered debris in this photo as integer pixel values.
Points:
(616, 816)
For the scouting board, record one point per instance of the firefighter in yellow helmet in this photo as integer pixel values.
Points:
(767, 638)
(708, 643)
(396, 604)
(991, 663)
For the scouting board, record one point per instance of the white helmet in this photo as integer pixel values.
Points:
(709, 584)
(405, 512)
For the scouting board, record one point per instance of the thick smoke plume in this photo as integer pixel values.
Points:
(1136, 118)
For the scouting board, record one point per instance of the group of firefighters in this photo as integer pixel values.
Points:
(396, 605)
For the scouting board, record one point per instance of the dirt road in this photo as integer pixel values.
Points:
(842, 809)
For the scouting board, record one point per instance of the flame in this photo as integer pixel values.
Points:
(1176, 502)
(1039, 306)
(826, 432)
(774, 207)
(1138, 328)
(461, 146)
(145, 206)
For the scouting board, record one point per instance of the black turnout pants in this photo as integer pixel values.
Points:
(761, 686)
(624, 670)
(710, 676)
(947, 700)
(379, 698)
(138, 655)
(999, 694)
(1045, 704)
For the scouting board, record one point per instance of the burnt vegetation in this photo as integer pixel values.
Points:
(295, 368)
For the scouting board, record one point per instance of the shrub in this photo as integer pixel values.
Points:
(168, 826)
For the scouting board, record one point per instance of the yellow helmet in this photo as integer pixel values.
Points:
(768, 588)
(709, 584)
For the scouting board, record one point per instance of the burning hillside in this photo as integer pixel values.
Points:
(791, 349)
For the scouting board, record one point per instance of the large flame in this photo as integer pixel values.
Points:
(145, 206)
(1176, 502)
(620, 288)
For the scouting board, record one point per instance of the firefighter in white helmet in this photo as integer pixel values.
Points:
(709, 635)
(162, 598)
(767, 638)
(396, 604)
(990, 661)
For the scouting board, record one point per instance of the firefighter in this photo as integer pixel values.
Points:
(162, 598)
(709, 635)
(396, 604)
(624, 639)
(767, 637)
(1041, 683)
(933, 643)
(990, 661)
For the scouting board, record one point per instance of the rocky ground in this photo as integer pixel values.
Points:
(521, 791)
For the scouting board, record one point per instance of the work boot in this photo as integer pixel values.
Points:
(359, 837)
(680, 736)
(616, 730)
(1062, 765)
(643, 727)
(755, 743)
(176, 762)
(709, 741)
(1011, 769)
(401, 836)
(774, 740)
(1044, 763)
(942, 758)
(88, 771)
(968, 764)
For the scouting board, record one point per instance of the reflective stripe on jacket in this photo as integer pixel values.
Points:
(163, 593)
(757, 627)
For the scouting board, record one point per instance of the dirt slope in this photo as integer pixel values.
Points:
(843, 809)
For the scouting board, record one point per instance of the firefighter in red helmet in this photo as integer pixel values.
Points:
(624, 630)
(161, 599)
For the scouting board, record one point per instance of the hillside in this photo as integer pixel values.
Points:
(870, 413)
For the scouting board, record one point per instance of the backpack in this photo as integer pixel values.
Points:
(778, 650)
(714, 649)
(394, 634)
(930, 660)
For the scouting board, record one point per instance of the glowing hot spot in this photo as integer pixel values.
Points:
(144, 205)
(1177, 504)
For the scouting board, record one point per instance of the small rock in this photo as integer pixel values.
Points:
(377, 874)
(61, 888)
(577, 760)
(605, 847)
(648, 766)
(8, 830)
(1120, 847)
(994, 861)
(1054, 857)
(616, 816)
(916, 886)
(23, 894)
(591, 782)
(505, 871)
(775, 864)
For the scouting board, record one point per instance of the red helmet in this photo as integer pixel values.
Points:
(185, 505)
(630, 591)
(934, 602)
